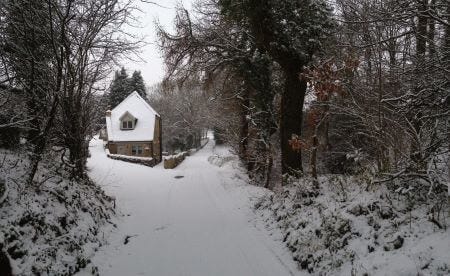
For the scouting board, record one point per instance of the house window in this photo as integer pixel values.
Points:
(136, 150)
(127, 124)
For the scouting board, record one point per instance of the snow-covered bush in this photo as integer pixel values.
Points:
(53, 226)
(347, 227)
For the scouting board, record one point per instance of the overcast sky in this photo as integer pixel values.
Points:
(152, 67)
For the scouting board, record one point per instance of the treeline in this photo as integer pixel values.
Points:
(53, 58)
(300, 87)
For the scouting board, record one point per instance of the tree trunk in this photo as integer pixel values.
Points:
(78, 155)
(5, 264)
(313, 160)
(269, 165)
(432, 30)
(446, 61)
(421, 34)
(243, 132)
(291, 120)
(39, 148)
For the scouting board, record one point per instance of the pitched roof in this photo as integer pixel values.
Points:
(142, 111)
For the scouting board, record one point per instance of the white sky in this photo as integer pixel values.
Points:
(152, 66)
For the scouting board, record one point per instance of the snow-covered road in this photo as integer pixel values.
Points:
(198, 224)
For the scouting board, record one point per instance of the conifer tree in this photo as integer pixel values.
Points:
(120, 88)
(137, 84)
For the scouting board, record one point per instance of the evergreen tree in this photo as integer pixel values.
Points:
(120, 88)
(137, 84)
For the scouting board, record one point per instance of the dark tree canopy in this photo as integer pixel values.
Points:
(122, 86)
(137, 84)
(119, 88)
(292, 31)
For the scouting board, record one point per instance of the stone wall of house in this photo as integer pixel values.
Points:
(125, 148)
(112, 148)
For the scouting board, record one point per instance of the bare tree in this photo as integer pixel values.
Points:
(185, 113)
(57, 52)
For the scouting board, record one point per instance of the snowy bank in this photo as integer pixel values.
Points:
(54, 226)
(344, 229)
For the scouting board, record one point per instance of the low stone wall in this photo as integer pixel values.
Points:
(150, 162)
(173, 161)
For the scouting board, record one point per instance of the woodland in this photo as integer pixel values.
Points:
(344, 102)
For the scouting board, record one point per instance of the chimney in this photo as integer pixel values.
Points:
(108, 113)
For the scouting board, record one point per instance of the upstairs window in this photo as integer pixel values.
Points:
(127, 121)
(127, 125)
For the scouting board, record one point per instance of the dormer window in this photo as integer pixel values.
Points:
(127, 121)
(127, 125)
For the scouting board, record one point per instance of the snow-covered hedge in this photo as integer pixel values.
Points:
(53, 226)
(345, 228)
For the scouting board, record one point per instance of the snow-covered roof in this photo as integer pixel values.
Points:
(141, 110)
(127, 113)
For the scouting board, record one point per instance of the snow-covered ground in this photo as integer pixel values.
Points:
(196, 219)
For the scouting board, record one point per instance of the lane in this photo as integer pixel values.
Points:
(186, 226)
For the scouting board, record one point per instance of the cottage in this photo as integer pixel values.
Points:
(133, 128)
